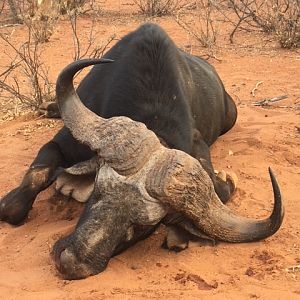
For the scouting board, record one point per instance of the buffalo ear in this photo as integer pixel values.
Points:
(78, 181)
(86, 167)
(79, 187)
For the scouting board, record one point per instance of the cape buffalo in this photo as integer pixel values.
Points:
(140, 148)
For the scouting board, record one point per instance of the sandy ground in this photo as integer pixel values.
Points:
(262, 137)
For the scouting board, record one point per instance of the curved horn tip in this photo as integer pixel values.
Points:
(274, 182)
(271, 171)
(94, 60)
(278, 205)
(106, 60)
(97, 60)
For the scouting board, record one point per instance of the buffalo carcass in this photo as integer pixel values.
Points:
(141, 143)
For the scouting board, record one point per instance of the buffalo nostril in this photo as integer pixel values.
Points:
(65, 262)
(64, 257)
(1, 208)
(69, 266)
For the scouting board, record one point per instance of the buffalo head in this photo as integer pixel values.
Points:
(138, 182)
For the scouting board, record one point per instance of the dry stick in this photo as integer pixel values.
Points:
(9, 70)
(293, 269)
(76, 42)
(10, 25)
(2, 7)
(91, 50)
(256, 87)
(14, 92)
(236, 27)
(192, 33)
(266, 102)
(241, 19)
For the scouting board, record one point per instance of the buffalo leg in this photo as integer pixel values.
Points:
(177, 239)
(15, 206)
(180, 231)
(223, 187)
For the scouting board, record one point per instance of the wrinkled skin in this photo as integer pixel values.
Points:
(182, 100)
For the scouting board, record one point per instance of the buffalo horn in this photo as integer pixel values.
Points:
(175, 178)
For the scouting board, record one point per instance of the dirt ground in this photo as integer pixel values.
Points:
(262, 137)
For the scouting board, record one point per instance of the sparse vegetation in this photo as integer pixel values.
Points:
(201, 19)
(26, 64)
(158, 8)
(42, 16)
(278, 17)
(90, 49)
(201, 23)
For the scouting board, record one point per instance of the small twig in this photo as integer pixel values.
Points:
(207, 56)
(10, 69)
(2, 7)
(266, 102)
(293, 269)
(256, 88)
(10, 25)
(41, 116)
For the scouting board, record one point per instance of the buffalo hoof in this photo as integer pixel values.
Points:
(228, 177)
(15, 206)
(177, 239)
(71, 264)
(49, 110)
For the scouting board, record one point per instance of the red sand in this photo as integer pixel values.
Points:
(262, 137)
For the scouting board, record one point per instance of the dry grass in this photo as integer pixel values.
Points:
(158, 8)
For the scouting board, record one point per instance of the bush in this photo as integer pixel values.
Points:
(158, 8)
(287, 24)
(31, 69)
(279, 17)
(201, 23)
(41, 16)
(27, 66)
